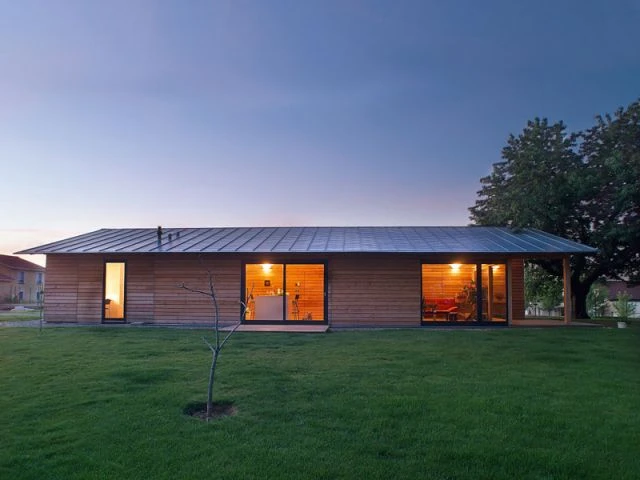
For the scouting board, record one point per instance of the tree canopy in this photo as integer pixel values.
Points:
(541, 288)
(584, 186)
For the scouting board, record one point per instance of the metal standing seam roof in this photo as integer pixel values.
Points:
(471, 239)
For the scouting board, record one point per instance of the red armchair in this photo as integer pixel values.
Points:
(445, 308)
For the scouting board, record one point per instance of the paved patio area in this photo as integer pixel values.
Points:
(282, 328)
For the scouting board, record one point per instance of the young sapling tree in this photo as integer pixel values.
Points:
(220, 337)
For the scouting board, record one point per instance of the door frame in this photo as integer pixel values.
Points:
(104, 292)
(284, 263)
(479, 321)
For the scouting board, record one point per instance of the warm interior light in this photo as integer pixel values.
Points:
(266, 267)
(114, 290)
(455, 266)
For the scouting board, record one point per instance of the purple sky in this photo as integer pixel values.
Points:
(258, 113)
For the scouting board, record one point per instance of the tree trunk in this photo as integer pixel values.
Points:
(212, 375)
(580, 292)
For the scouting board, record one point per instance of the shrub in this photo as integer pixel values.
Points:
(597, 300)
(623, 306)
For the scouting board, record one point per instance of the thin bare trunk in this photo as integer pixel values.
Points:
(218, 343)
(212, 376)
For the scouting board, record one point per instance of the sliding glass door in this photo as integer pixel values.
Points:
(464, 292)
(284, 292)
(494, 293)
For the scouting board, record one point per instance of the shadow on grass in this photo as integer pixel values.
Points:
(220, 410)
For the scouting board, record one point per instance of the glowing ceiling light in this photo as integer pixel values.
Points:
(266, 267)
(455, 266)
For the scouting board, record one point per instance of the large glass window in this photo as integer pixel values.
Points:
(305, 284)
(284, 292)
(450, 293)
(494, 293)
(114, 290)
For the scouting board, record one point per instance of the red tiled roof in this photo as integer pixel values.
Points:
(17, 263)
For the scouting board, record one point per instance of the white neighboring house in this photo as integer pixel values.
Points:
(616, 286)
(535, 310)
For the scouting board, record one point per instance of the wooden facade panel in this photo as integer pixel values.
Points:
(140, 288)
(90, 274)
(362, 289)
(374, 290)
(75, 288)
(61, 290)
(175, 305)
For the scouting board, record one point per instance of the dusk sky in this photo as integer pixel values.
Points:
(261, 113)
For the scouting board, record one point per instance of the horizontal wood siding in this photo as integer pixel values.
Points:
(517, 288)
(75, 288)
(374, 290)
(140, 289)
(363, 289)
(175, 305)
(90, 286)
(61, 290)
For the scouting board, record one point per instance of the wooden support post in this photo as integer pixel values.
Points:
(490, 293)
(568, 295)
(509, 294)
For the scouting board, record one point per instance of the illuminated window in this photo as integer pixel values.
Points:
(285, 292)
(450, 293)
(114, 291)
(494, 293)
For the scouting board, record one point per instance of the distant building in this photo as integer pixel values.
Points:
(618, 286)
(21, 281)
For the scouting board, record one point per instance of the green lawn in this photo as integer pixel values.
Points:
(612, 322)
(103, 403)
(19, 316)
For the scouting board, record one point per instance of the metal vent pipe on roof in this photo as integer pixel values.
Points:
(159, 232)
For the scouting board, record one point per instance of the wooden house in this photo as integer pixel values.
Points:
(336, 276)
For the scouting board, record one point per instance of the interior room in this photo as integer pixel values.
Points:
(114, 291)
(285, 292)
(450, 293)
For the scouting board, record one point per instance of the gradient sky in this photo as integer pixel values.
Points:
(266, 112)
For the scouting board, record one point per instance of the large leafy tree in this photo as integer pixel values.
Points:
(583, 186)
(542, 288)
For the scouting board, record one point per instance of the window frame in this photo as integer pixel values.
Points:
(478, 263)
(284, 263)
(104, 292)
